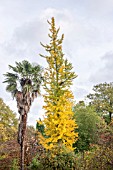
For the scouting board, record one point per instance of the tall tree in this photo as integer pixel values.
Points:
(59, 124)
(102, 98)
(24, 85)
(8, 122)
(89, 126)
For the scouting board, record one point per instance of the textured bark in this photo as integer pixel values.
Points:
(24, 101)
(23, 107)
(22, 156)
(23, 138)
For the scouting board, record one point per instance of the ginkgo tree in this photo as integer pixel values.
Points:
(59, 124)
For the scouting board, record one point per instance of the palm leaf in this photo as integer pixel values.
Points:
(13, 68)
(11, 87)
(26, 72)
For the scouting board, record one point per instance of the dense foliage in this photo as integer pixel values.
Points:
(89, 126)
(8, 122)
(64, 160)
(102, 98)
(59, 123)
(99, 157)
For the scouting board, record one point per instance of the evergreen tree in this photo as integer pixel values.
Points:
(59, 124)
(102, 99)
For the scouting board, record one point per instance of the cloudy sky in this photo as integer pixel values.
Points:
(88, 43)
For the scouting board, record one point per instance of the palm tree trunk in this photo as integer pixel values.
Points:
(22, 156)
(23, 130)
(24, 107)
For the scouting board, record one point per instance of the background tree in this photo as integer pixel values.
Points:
(59, 123)
(100, 156)
(8, 122)
(102, 98)
(24, 85)
(40, 127)
(89, 126)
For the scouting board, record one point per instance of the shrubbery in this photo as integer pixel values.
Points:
(100, 156)
(51, 160)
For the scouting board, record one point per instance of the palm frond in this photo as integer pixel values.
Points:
(28, 75)
(10, 78)
(19, 67)
(13, 68)
(11, 87)
(27, 68)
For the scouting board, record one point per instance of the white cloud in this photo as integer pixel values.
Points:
(88, 29)
(105, 72)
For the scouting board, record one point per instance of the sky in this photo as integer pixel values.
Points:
(88, 41)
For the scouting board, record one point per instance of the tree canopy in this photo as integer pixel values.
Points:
(8, 122)
(59, 123)
(89, 126)
(102, 98)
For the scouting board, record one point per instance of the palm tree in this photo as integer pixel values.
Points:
(24, 85)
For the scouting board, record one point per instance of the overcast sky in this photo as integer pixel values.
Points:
(88, 42)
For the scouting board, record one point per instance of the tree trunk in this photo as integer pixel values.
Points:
(22, 156)
(110, 114)
(23, 107)
(22, 145)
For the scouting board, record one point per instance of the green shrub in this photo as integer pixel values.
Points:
(99, 158)
(54, 160)
(14, 165)
(35, 164)
(107, 118)
(60, 161)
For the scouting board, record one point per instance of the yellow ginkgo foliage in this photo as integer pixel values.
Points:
(59, 124)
